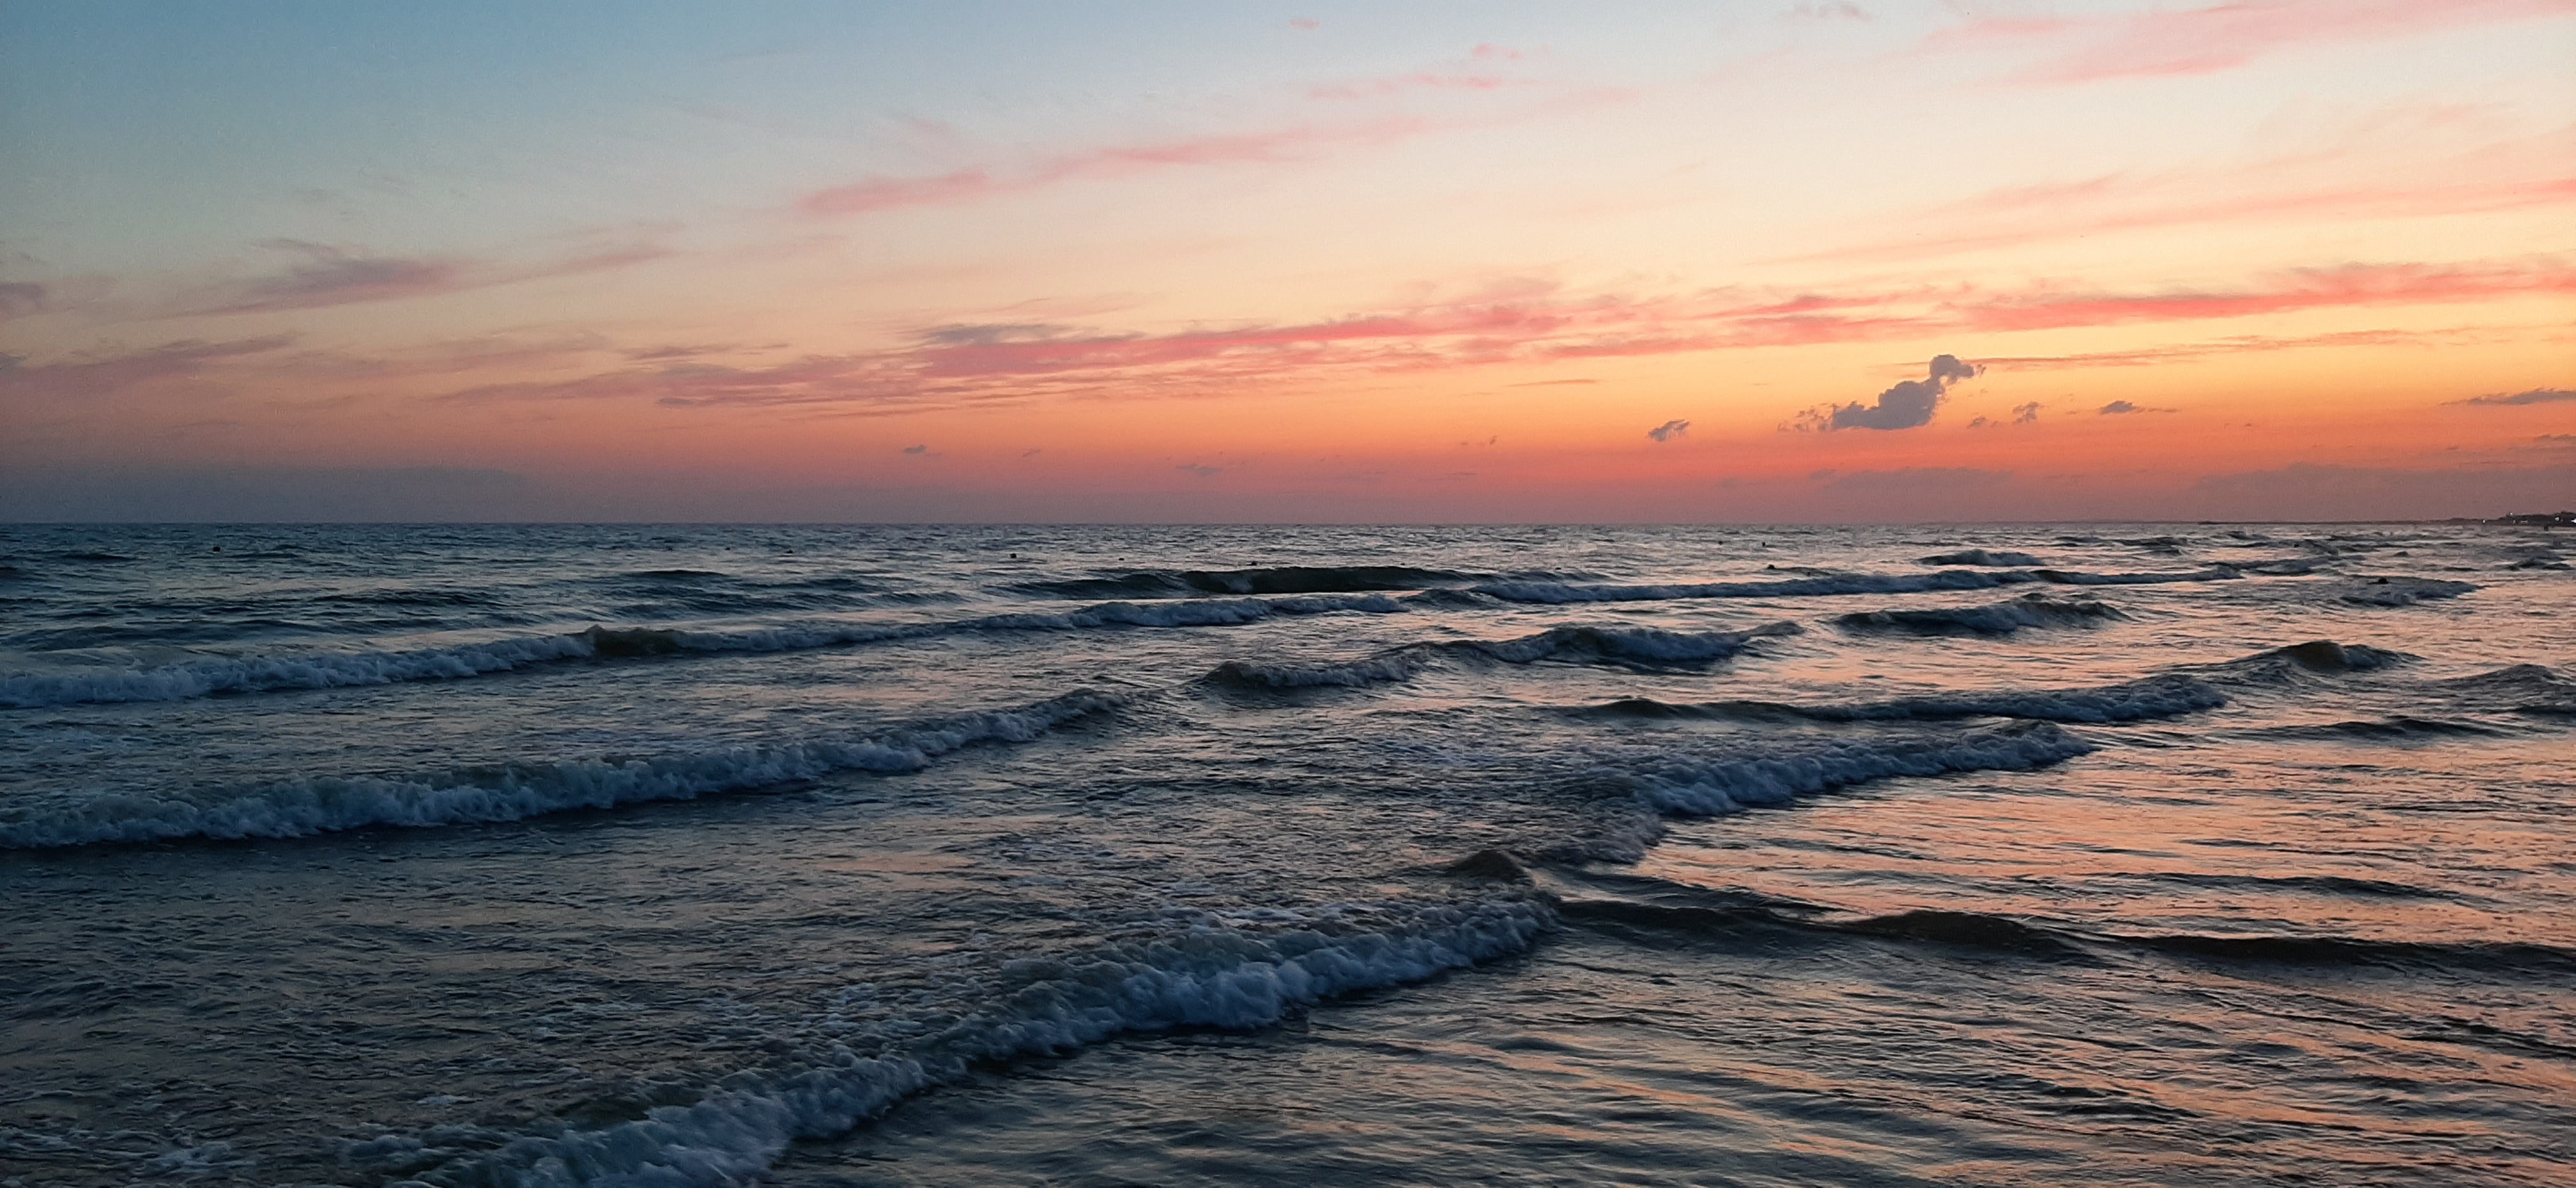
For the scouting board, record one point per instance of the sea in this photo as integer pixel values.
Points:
(485, 856)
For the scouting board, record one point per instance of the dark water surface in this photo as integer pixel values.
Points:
(2147, 854)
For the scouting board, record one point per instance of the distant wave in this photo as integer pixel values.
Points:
(2317, 656)
(2528, 689)
(2400, 591)
(1280, 579)
(1693, 910)
(1622, 646)
(1851, 583)
(2070, 577)
(2134, 701)
(331, 670)
(295, 808)
(1233, 973)
(2001, 618)
(2002, 559)
(1835, 584)
(2398, 728)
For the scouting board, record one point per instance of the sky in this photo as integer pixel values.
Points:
(1801, 262)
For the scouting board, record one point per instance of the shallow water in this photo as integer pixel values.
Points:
(1217, 855)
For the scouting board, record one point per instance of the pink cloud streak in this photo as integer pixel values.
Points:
(977, 364)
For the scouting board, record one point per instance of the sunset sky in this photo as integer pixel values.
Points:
(2307, 259)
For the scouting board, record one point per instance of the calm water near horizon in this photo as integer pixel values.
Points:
(696, 855)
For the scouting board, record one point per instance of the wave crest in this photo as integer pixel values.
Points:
(511, 792)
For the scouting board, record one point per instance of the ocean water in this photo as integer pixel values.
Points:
(466, 856)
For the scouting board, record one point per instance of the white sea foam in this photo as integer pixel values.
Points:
(294, 808)
(1220, 972)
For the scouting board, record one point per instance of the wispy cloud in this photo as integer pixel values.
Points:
(103, 373)
(1669, 431)
(2534, 396)
(2302, 289)
(323, 275)
(1294, 142)
(961, 364)
(2216, 37)
(2112, 203)
(980, 182)
(20, 299)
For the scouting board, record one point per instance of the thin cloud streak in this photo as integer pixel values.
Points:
(980, 182)
(329, 275)
(2205, 40)
(1277, 146)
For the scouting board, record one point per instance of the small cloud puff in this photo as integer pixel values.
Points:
(1669, 430)
(2022, 414)
(1908, 405)
(1196, 470)
(2122, 408)
(917, 450)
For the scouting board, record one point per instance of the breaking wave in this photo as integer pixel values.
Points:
(1708, 787)
(511, 792)
(1236, 971)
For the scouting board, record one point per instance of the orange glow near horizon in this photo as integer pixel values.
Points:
(2239, 261)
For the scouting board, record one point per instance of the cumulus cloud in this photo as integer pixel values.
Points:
(1907, 405)
(2534, 396)
(1669, 430)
